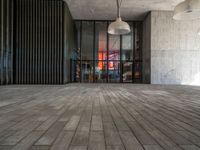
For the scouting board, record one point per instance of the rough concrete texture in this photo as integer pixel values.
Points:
(175, 50)
(107, 9)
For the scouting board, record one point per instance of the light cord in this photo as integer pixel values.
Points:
(118, 8)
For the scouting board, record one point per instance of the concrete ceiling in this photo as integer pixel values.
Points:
(106, 9)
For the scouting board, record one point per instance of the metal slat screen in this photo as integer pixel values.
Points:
(6, 42)
(38, 42)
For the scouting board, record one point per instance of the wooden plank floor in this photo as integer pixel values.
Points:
(100, 117)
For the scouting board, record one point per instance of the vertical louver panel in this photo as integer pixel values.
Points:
(38, 42)
(6, 42)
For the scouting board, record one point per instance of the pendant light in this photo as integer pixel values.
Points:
(119, 27)
(187, 10)
(198, 32)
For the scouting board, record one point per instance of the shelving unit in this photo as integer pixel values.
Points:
(137, 75)
(127, 72)
(76, 68)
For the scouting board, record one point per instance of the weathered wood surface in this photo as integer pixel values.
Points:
(100, 117)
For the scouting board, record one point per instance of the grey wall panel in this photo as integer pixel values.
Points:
(174, 50)
(39, 45)
(69, 42)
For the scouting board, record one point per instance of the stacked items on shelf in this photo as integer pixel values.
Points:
(137, 71)
(137, 66)
(78, 69)
(127, 69)
(137, 45)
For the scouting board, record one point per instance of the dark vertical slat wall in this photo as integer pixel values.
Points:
(6, 42)
(38, 41)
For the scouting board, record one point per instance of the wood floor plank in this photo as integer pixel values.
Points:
(115, 148)
(152, 147)
(28, 141)
(6, 133)
(63, 141)
(48, 123)
(190, 147)
(78, 148)
(100, 117)
(51, 134)
(15, 138)
(81, 137)
(96, 141)
(130, 141)
(73, 123)
(144, 137)
(5, 147)
(112, 136)
(96, 123)
(39, 147)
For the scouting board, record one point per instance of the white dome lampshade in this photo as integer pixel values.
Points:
(198, 32)
(187, 10)
(119, 27)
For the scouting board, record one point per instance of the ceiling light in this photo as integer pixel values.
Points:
(198, 32)
(187, 10)
(119, 27)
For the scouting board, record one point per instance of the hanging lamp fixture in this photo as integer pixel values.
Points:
(198, 32)
(187, 10)
(119, 27)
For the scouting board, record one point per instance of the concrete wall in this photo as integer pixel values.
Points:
(146, 69)
(175, 50)
(69, 41)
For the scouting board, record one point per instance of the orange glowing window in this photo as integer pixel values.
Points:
(100, 65)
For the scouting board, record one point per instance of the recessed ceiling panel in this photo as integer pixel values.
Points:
(106, 9)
